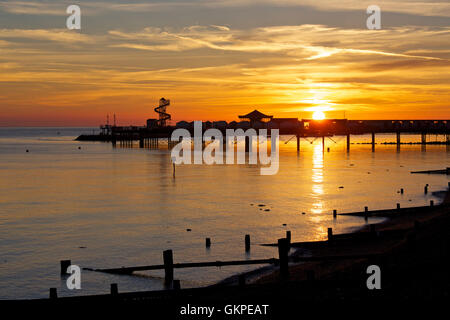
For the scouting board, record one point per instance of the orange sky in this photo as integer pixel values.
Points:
(51, 76)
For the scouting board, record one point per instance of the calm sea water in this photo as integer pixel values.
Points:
(110, 207)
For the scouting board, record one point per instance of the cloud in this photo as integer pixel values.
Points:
(57, 35)
(299, 41)
(415, 7)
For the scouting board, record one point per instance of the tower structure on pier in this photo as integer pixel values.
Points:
(161, 110)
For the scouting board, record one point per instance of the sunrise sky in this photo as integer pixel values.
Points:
(217, 59)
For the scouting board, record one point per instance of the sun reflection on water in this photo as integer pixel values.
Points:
(317, 179)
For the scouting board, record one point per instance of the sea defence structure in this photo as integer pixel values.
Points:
(157, 129)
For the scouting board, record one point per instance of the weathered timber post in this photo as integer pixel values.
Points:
(330, 235)
(288, 237)
(283, 251)
(247, 243)
(168, 267)
(64, 265)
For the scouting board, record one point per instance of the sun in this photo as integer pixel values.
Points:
(318, 115)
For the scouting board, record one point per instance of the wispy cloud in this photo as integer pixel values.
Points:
(415, 7)
(57, 35)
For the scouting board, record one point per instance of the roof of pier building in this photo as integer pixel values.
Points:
(255, 115)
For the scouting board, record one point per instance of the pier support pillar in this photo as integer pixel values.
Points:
(447, 141)
(168, 267)
(348, 142)
(323, 144)
(424, 142)
(398, 140)
(283, 251)
(373, 141)
(298, 143)
(141, 143)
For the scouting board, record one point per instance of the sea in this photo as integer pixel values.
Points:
(105, 207)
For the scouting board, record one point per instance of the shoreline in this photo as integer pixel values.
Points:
(391, 222)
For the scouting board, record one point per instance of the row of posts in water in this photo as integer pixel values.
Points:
(283, 250)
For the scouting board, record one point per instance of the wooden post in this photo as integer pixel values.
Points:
(283, 250)
(114, 289)
(208, 242)
(398, 206)
(176, 285)
(425, 190)
(323, 144)
(247, 243)
(398, 141)
(141, 142)
(53, 293)
(298, 143)
(330, 235)
(168, 267)
(288, 237)
(366, 209)
(402, 191)
(334, 213)
(431, 203)
(64, 265)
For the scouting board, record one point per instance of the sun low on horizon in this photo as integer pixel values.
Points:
(318, 115)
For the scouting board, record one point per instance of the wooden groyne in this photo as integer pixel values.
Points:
(130, 270)
(443, 171)
(336, 267)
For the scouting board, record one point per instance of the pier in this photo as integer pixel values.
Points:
(157, 130)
